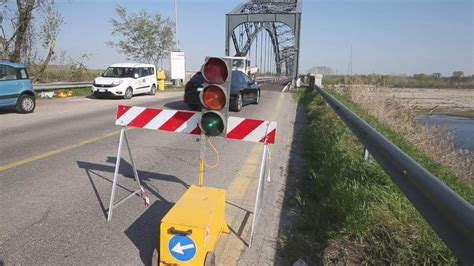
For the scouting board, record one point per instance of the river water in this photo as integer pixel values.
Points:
(461, 127)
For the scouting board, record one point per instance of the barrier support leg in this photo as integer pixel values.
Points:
(140, 189)
(258, 200)
(135, 172)
(114, 183)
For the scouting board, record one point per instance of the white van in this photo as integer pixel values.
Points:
(126, 80)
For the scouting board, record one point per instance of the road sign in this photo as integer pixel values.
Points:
(182, 248)
(178, 65)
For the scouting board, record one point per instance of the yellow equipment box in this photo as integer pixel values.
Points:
(161, 76)
(190, 230)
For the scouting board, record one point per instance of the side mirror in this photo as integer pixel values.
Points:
(135, 75)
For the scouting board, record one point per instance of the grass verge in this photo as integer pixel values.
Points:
(347, 210)
(82, 91)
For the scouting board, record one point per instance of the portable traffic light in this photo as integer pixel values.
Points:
(215, 96)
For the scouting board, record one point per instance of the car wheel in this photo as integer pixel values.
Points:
(25, 104)
(258, 97)
(128, 93)
(152, 90)
(236, 106)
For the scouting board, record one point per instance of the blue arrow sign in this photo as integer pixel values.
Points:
(182, 248)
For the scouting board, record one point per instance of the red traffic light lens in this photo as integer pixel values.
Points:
(213, 97)
(215, 70)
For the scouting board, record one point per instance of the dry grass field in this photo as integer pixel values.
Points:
(437, 101)
(399, 108)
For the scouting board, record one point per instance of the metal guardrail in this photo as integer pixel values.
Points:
(72, 85)
(61, 85)
(263, 80)
(67, 85)
(451, 216)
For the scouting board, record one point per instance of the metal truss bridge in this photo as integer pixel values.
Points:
(268, 32)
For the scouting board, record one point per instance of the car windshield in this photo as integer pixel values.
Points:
(238, 64)
(197, 79)
(119, 72)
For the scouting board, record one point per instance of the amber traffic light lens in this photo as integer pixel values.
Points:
(213, 97)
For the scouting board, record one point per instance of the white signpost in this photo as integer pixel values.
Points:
(178, 65)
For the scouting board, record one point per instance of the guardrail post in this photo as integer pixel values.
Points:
(366, 154)
(312, 81)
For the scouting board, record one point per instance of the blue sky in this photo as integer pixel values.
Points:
(390, 36)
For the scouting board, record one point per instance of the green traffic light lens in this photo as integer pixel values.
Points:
(212, 124)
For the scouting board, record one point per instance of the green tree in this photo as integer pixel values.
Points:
(142, 36)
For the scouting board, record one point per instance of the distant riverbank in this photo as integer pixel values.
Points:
(462, 128)
(399, 108)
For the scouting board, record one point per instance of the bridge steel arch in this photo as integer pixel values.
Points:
(251, 36)
(265, 15)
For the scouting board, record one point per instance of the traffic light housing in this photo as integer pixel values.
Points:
(215, 96)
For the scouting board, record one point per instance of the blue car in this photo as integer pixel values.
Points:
(16, 89)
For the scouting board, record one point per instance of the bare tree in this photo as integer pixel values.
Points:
(25, 15)
(17, 41)
(458, 74)
(457, 78)
(49, 31)
(436, 75)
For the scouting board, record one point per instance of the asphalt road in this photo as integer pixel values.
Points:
(56, 167)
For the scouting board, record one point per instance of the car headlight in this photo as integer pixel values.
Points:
(116, 83)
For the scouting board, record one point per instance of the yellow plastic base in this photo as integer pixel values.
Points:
(199, 214)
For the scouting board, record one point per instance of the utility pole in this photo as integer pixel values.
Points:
(176, 24)
(177, 81)
(349, 66)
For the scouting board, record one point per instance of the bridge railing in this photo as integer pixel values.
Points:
(450, 215)
(267, 79)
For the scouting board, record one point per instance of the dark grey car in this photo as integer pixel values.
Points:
(243, 91)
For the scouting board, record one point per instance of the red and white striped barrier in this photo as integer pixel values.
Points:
(158, 119)
(253, 130)
(188, 122)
